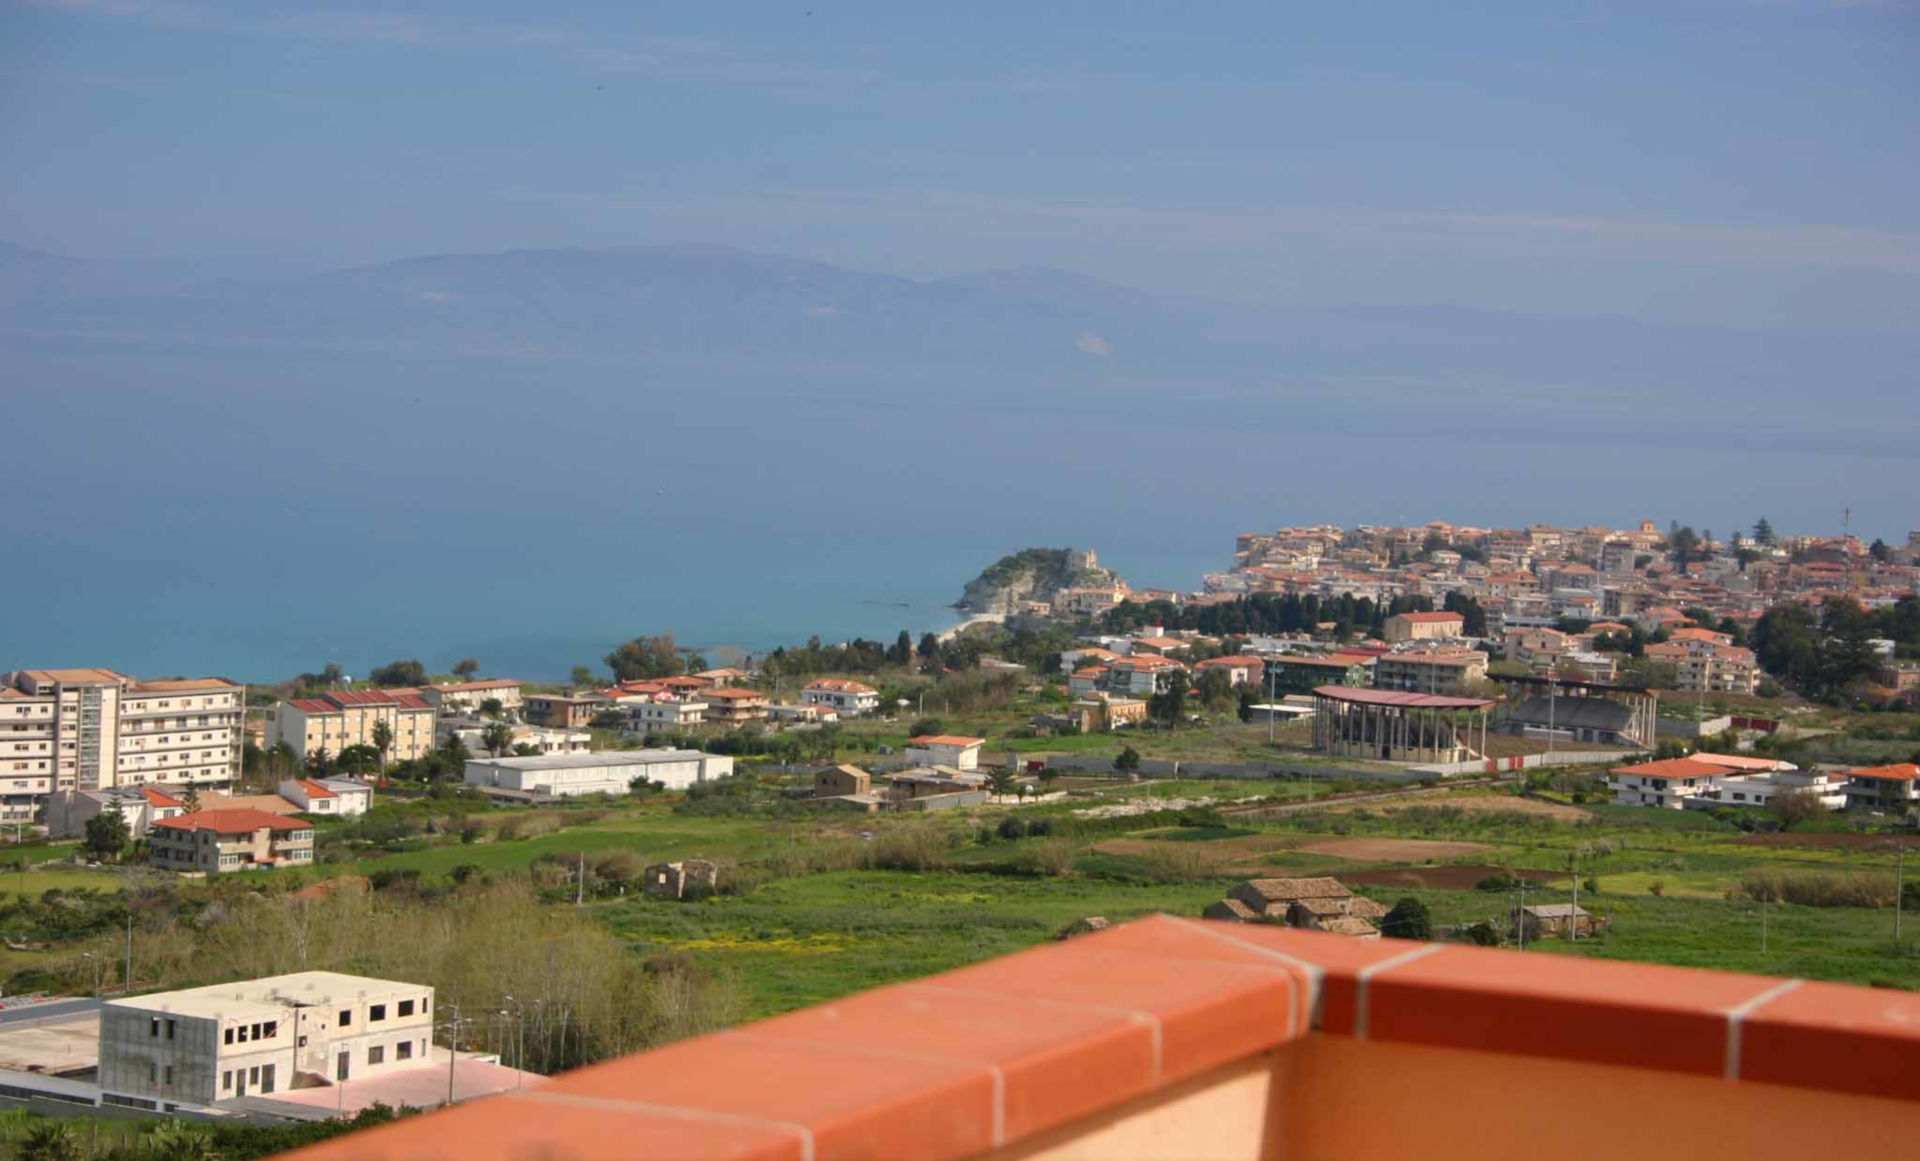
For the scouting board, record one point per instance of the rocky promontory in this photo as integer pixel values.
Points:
(1034, 574)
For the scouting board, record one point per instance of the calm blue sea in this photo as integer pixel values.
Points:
(259, 515)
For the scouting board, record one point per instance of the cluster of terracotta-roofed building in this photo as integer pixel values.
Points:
(1706, 781)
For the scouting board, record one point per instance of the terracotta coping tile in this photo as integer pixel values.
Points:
(894, 1098)
(535, 1125)
(1862, 1040)
(962, 1062)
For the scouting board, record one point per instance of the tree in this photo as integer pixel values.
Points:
(493, 707)
(1879, 550)
(400, 673)
(926, 727)
(1683, 542)
(1128, 761)
(902, 651)
(465, 668)
(1216, 689)
(191, 800)
(107, 833)
(645, 657)
(359, 758)
(1170, 705)
(1795, 807)
(929, 648)
(498, 738)
(1763, 531)
(1409, 919)
(382, 741)
(1000, 782)
(582, 676)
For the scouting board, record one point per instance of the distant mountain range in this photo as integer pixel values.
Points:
(707, 301)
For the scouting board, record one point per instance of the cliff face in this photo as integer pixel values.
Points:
(1034, 574)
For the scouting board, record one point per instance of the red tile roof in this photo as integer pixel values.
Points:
(315, 790)
(243, 821)
(1430, 618)
(1673, 768)
(840, 685)
(1898, 772)
(161, 798)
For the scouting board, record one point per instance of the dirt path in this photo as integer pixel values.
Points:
(1381, 850)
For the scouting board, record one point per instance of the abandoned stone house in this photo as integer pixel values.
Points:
(678, 880)
(1318, 904)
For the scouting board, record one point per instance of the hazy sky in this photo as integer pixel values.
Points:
(1743, 162)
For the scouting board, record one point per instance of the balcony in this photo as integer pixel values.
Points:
(1180, 1038)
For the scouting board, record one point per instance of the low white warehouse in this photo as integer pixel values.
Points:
(607, 772)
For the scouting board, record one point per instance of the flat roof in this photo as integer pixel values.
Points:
(1390, 697)
(1568, 681)
(267, 993)
(587, 761)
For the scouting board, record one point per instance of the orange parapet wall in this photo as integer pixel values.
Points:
(1172, 1037)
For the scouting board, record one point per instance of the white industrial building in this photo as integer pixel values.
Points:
(203, 1045)
(607, 772)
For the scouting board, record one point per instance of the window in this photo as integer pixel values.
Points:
(240, 1033)
(346, 1017)
(153, 1073)
(153, 1027)
(270, 1029)
(376, 1012)
(169, 1074)
(169, 1028)
(266, 1078)
(403, 1050)
(253, 1075)
(406, 1008)
(226, 1081)
(376, 1055)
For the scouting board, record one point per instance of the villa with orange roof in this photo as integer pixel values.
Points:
(1886, 788)
(214, 842)
(337, 797)
(851, 698)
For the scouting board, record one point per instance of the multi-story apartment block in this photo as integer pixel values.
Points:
(1446, 671)
(205, 1045)
(1708, 665)
(214, 842)
(333, 721)
(94, 729)
(565, 711)
(466, 697)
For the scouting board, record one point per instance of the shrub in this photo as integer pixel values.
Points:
(1409, 919)
(1050, 858)
(1011, 828)
(1816, 890)
(1039, 827)
(1657, 889)
(1481, 933)
(1504, 881)
(918, 847)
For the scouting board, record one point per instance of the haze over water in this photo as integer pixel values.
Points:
(441, 332)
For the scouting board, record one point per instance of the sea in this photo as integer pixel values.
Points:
(259, 514)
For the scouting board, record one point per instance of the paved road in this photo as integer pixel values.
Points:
(52, 1008)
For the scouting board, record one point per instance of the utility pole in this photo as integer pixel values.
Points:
(580, 888)
(1573, 916)
(1270, 710)
(453, 1048)
(1520, 920)
(129, 987)
(1899, 883)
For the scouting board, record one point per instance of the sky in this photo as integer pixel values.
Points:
(1748, 164)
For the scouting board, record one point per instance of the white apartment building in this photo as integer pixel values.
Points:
(333, 721)
(472, 733)
(94, 729)
(851, 698)
(606, 772)
(1443, 671)
(205, 1045)
(1667, 784)
(465, 698)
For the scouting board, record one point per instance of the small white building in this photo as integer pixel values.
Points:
(606, 772)
(336, 796)
(203, 1045)
(850, 698)
(945, 750)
